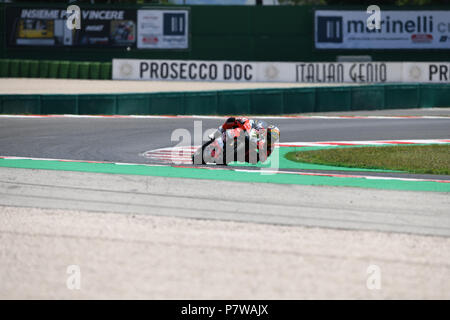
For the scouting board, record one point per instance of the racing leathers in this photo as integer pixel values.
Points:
(257, 131)
(237, 123)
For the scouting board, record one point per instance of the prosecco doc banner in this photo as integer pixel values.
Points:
(300, 72)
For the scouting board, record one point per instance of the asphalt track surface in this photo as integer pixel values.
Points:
(124, 140)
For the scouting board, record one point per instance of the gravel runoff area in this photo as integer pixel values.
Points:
(121, 231)
(122, 256)
(74, 86)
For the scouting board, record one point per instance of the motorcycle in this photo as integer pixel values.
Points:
(229, 146)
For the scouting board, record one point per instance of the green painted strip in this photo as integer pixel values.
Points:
(288, 164)
(228, 175)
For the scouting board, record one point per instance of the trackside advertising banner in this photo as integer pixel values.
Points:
(300, 72)
(336, 29)
(163, 29)
(47, 27)
(101, 28)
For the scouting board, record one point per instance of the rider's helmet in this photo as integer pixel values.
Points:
(259, 125)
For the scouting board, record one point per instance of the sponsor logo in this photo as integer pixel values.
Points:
(271, 72)
(150, 17)
(394, 26)
(97, 28)
(329, 29)
(126, 69)
(41, 13)
(174, 24)
(339, 72)
(349, 29)
(190, 70)
(332, 28)
(103, 14)
(150, 39)
(98, 40)
(415, 72)
(422, 38)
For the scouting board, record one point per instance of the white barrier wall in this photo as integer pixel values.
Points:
(301, 72)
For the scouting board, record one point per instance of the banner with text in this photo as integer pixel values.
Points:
(163, 29)
(339, 29)
(300, 72)
(47, 27)
(102, 28)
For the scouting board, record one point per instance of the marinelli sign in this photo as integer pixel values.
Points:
(336, 29)
(294, 72)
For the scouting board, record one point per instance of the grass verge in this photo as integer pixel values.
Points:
(430, 159)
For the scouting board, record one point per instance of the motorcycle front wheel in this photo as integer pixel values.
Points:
(197, 157)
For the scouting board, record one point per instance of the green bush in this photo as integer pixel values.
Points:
(34, 68)
(43, 68)
(53, 69)
(83, 70)
(4, 68)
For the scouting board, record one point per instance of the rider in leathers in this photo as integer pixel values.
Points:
(262, 136)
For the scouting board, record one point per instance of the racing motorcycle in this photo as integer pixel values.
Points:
(229, 146)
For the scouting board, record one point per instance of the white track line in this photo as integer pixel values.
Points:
(335, 175)
(265, 170)
(179, 160)
(362, 143)
(183, 154)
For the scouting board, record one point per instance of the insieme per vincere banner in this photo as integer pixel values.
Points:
(101, 28)
(47, 27)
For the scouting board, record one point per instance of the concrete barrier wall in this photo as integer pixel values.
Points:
(228, 102)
